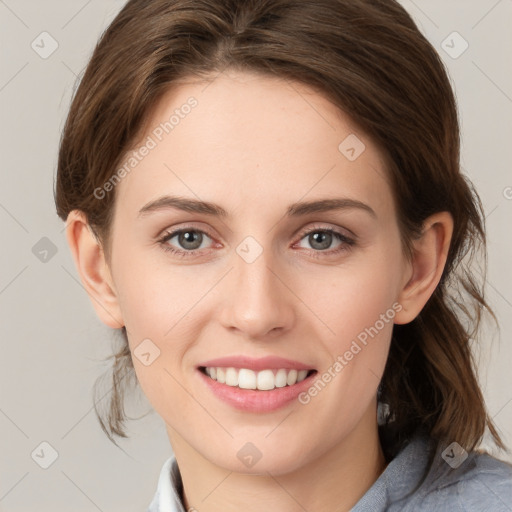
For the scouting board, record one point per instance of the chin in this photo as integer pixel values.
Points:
(255, 459)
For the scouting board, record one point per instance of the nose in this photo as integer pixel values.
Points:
(258, 300)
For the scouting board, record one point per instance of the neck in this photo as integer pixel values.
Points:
(341, 476)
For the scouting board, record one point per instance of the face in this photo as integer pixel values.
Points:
(269, 286)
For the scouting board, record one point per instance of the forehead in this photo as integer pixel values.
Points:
(250, 141)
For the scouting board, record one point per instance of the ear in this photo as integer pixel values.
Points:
(426, 268)
(93, 269)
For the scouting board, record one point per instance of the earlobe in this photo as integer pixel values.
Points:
(429, 259)
(92, 267)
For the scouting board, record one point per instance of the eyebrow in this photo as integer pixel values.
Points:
(294, 210)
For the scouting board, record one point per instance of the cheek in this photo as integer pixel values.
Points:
(154, 296)
(357, 309)
(164, 315)
(355, 298)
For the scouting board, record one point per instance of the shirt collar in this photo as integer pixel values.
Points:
(401, 477)
(169, 490)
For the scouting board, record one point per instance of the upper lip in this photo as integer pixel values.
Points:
(263, 363)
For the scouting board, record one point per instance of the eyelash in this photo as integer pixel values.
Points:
(346, 245)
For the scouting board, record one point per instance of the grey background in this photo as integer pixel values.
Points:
(52, 342)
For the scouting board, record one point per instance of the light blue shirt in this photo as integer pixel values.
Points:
(479, 483)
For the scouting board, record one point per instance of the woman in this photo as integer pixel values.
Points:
(266, 199)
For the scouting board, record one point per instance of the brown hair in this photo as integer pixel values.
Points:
(367, 57)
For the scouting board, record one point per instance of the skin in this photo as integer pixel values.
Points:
(255, 145)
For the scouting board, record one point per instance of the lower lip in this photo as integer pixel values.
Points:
(251, 400)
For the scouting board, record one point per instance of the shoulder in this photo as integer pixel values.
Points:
(429, 475)
(480, 482)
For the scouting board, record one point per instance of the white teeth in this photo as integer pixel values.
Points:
(266, 380)
(263, 380)
(231, 377)
(281, 376)
(246, 379)
(300, 376)
(292, 377)
(221, 375)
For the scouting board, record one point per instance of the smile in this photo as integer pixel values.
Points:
(255, 385)
(263, 380)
